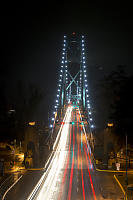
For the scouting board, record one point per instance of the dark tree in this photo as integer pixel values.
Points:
(18, 108)
(115, 98)
(107, 93)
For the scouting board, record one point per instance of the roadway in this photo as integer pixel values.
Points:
(70, 174)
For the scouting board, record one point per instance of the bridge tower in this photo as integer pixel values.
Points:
(73, 84)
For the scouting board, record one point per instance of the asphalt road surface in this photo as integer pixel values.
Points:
(70, 174)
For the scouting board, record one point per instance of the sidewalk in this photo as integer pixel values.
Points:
(122, 180)
(108, 186)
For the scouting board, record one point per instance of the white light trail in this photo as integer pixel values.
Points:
(57, 163)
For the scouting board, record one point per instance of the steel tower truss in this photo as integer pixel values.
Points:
(73, 85)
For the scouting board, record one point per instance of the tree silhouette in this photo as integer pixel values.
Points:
(116, 101)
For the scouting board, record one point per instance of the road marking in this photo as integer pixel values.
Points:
(120, 186)
(11, 187)
(77, 189)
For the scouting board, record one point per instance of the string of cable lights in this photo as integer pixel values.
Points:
(66, 80)
(63, 71)
(85, 84)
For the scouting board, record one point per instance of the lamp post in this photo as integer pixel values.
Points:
(126, 162)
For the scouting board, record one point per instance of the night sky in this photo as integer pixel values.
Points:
(31, 39)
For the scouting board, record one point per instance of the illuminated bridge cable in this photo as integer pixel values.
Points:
(72, 87)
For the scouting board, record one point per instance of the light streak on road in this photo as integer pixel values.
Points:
(88, 147)
(66, 167)
(71, 152)
(52, 174)
(90, 176)
(82, 181)
(72, 167)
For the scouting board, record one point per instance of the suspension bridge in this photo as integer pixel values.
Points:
(69, 173)
(72, 83)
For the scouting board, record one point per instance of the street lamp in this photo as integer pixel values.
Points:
(126, 162)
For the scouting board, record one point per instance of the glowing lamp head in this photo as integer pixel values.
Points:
(110, 124)
(51, 125)
(32, 123)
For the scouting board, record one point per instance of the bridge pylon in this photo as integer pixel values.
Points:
(73, 84)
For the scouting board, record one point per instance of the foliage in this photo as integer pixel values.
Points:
(24, 100)
(116, 92)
